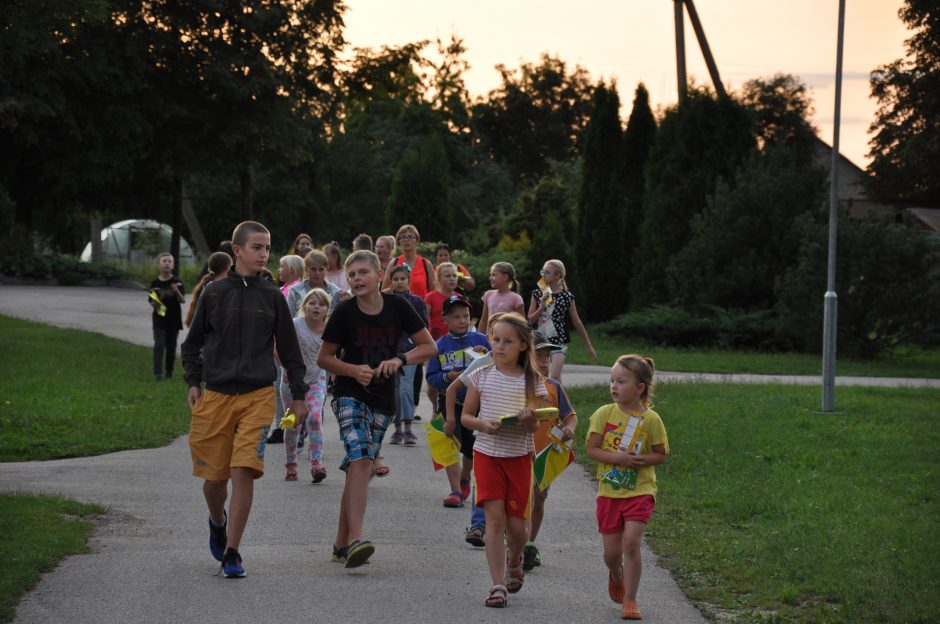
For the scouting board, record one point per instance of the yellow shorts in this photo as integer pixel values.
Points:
(230, 431)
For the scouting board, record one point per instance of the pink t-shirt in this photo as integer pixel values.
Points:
(501, 395)
(497, 302)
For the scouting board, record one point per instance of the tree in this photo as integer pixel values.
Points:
(781, 108)
(747, 236)
(599, 249)
(905, 143)
(420, 191)
(538, 114)
(637, 141)
(887, 282)
(701, 141)
(555, 192)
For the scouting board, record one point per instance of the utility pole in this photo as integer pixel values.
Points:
(830, 300)
(680, 52)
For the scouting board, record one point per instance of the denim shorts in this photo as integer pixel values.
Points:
(361, 428)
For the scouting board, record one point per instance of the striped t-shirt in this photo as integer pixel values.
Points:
(501, 395)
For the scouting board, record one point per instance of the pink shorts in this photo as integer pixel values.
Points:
(505, 478)
(612, 513)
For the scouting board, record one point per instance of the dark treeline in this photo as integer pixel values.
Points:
(115, 108)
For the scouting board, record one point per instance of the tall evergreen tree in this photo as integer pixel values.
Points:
(704, 139)
(421, 190)
(599, 248)
(637, 140)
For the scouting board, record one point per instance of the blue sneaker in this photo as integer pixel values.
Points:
(232, 564)
(218, 537)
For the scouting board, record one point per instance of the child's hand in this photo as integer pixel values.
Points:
(450, 426)
(388, 368)
(528, 420)
(300, 409)
(364, 374)
(566, 433)
(629, 459)
(194, 393)
(488, 426)
(592, 353)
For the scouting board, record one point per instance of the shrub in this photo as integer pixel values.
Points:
(705, 327)
(68, 270)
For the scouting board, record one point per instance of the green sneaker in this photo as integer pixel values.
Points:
(530, 556)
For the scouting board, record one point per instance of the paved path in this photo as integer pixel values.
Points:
(151, 564)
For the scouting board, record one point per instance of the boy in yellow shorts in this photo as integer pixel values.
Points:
(230, 347)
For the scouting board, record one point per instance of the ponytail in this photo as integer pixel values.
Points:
(509, 271)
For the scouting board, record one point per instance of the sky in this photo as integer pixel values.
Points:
(633, 41)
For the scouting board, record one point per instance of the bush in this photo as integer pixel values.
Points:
(68, 270)
(705, 327)
(886, 282)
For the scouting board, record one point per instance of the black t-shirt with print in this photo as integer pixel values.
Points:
(370, 339)
(174, 312)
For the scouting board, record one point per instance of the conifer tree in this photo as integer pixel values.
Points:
(599, 248)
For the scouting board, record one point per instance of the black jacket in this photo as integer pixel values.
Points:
(230, 344)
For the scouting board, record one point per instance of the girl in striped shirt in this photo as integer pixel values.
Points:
(502, 456)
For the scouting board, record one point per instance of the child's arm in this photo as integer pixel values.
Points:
(535, 309)
(436, 376)
(520, 309)
(328, 361)
(387, 277)
(191, 353)
(424, 350)
(657, 457)
(569, 420)
(627, 459)
(287, 348)
(579, 326)
(178, 289)
(484, 317)
(469, 418)
(450, 406)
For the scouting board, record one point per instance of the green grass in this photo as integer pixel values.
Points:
(768, 511)
(902, 362)
(36, 532)
(69, 393)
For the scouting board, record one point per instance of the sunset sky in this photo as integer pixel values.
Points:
(633, 41)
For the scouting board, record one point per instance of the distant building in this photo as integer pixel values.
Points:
(138, 241)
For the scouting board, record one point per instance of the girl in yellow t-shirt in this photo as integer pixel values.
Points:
(627, 439)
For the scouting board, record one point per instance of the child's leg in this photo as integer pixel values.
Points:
(243, 488)
(538, 512)
(516, 537)
(613, 553)
(555, 364)
(632, 562)
(355, 494)
(466, 469)
(171, 336)
(495, 512)
(159, 340)
(215, 492)
(315, 398)
(453, 476)
(290, 435)
(406, 394)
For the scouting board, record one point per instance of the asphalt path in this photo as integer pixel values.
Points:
(150, 561)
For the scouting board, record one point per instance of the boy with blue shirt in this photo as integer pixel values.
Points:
(456, 351)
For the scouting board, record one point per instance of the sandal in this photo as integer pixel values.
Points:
(382, 470)
(497, 597)
(317, 474)
(291, 472)
(630, 611)
(615, 588)
(515, 576)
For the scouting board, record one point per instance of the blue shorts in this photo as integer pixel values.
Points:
(361, 428)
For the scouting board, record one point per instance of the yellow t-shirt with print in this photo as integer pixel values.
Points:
(611, 423)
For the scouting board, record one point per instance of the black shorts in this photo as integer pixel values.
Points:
(463, 434)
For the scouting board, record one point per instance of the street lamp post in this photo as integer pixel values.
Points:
(830, 300)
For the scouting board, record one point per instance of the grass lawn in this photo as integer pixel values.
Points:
(69, 393)
(768, 511)
(903, 362)
(36, 532)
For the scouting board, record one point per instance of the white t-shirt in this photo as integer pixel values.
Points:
(309, 348)
(501, 395)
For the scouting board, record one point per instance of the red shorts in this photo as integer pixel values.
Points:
(612, 513)
(507, 479)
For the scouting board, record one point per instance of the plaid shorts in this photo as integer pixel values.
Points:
(361, 428)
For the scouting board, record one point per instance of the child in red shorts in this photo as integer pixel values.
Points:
(502, 453)
(627, 439)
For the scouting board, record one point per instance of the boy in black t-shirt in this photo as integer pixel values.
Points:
(366, 328)
(167, 316)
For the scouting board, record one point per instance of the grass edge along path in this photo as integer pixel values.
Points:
(36, 533)
(72, 393)
(901, 362)
(770, 512)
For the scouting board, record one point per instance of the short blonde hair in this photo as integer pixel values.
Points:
(362, 256)
(294, 263)
(314, 293)
(315, 255)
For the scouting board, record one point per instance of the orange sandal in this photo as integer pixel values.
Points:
(615, 588)
(630, 611)
(290, 473)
